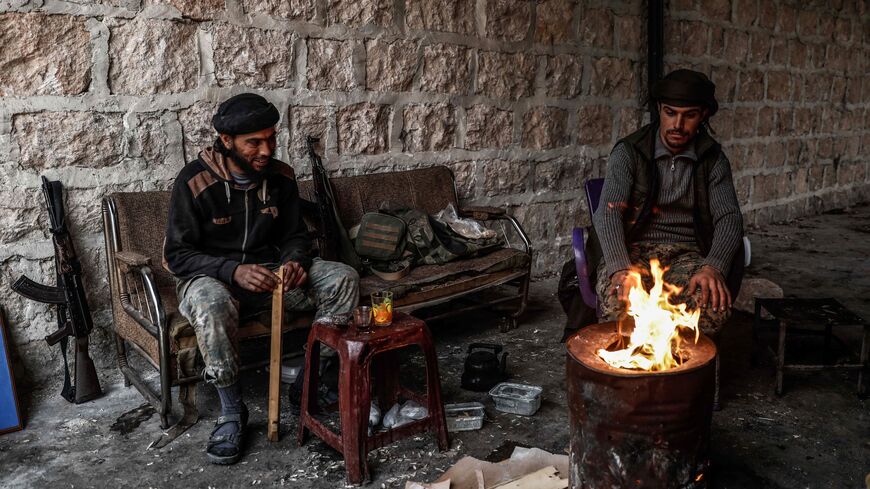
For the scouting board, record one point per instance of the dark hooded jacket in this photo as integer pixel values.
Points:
(215, 225)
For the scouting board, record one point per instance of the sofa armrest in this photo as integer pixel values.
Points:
(482, 213)
(127, 260)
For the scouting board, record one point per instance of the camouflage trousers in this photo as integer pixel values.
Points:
(213, 310)
(682, 260)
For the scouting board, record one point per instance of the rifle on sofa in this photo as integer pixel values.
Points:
(335, 243)
(73, 314)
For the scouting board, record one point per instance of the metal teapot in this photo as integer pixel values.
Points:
(483, 368)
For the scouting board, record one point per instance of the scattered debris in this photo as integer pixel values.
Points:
(131, 420)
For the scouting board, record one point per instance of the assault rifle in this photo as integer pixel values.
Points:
(73, 314)
(335, 243)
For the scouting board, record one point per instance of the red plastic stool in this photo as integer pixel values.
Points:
(361, 353)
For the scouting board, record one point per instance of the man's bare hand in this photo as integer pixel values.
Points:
(713, 289)
(294, 276)
(255, 278)
(621, 282)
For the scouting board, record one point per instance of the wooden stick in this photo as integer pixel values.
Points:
(275, 359)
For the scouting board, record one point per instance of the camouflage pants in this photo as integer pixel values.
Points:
(214, 311)
(683, 260)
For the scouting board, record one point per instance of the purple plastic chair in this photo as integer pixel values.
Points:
(587, 289)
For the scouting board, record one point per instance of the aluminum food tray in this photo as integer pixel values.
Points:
(522, 399)
(466, 416)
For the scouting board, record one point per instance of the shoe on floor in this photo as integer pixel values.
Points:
(226, 448)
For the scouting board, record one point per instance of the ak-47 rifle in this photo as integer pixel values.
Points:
(73, 314)
(335, 243)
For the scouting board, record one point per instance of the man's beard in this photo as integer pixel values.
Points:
(244, 163)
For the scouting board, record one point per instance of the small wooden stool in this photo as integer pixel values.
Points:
(360, 353)
(828, 313)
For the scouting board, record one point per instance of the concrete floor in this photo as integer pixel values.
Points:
(816, 436)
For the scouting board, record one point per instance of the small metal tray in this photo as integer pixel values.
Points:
(514, 398)
(466, 416)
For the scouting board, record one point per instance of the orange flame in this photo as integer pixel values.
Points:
(657, 323)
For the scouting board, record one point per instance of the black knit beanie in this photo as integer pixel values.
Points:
(245, 113)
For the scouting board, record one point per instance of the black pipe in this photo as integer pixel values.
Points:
(655, 48)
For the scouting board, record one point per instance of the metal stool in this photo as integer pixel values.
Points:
(360, 353)
(820, 312)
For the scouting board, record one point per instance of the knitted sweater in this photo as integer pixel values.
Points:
(671, 221)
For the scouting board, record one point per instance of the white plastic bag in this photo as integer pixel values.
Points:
(467, 228)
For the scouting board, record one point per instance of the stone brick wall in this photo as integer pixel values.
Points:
(792, 78)
(523, 100)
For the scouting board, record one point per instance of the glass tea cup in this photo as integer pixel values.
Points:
(362, 318)
(382, 308)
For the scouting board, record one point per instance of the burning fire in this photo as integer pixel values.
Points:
(656, 337)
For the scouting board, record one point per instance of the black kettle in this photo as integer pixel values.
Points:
(483, 368)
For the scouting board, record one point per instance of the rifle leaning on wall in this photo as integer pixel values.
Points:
(73, 314)
(335, 243)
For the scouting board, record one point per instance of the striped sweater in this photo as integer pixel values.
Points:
(672, 221)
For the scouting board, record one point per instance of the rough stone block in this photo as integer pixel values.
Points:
(196, 128)
(779, 86)
(716, 9)
(694, 36)
(548, 220)
(751, 86)
(545, 127)
(725, 79)
(786, 22)
(446, 69)
(488, 127)
(65, 139)
(736, 46)
(744, 122)
(614, 77)
(561, 174)
(21, 215)
(285, 9)
(440, 15)
(767, 13)
(594, 124)
(797, 54)
(465, 178)
(808, 22)
(152, 56)
(330, 65)
(502, 177)
(363, 128)
(360, 12)
(44, 55)
(390, 66)
(596, 28)
(237, 64)
(630, 120)
(307, 121)
(194, 9)
(508, 20)
(746, 11)
(759, 50)
(766, 121)
(629, 31)
(428, 127)
(554, 20)
(506, 75)
(563, 75)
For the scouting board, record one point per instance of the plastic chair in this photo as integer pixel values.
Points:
(587, 288)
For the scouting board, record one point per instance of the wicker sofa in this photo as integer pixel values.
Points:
(145, 307)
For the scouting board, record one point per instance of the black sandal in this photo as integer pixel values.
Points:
(227, 455)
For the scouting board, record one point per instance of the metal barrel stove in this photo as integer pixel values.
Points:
(634, 429)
